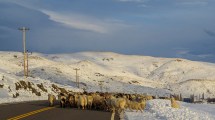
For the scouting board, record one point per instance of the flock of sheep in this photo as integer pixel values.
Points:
(105, 101)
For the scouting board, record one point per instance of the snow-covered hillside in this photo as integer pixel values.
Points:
(104, 71)
(158, 109)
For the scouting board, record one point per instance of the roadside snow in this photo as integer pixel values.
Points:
(209, 108)
(161, 110)
(22, 99)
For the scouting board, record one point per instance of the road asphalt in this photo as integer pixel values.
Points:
(39, 110)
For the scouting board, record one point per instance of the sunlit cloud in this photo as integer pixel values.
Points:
(77, 21)
(83, 22)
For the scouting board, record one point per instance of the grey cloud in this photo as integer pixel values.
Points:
(193, 55)
(210, 33)
(199, 3)
(138, 1)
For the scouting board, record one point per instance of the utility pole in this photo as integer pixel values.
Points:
(77, 80)
(27, 62)
(24, 29)
(101, 85)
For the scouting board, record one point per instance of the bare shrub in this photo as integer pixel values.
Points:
(36, 92)
(41, 87)
(24, 84)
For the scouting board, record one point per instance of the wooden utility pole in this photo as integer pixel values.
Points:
(24, 29)
(77, 79)
(27, 62)
(101, 85)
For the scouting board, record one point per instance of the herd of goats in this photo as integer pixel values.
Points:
(105, 101)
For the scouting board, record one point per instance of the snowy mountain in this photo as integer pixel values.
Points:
(103, 71)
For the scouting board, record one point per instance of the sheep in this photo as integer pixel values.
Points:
(127, 105)
(148, 97)
(98, 102)
(89, 101)
(108, 101)
(135, 106)
(105, 101)
(174, 104)
(142, 104)
(51, 99)
(118, 104)
(63, 101)
(76, 97)
(85, 101)
(132, 97)
(82, 101)
(71, 100)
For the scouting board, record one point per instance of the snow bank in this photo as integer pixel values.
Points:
(161, 110)
(22, 99)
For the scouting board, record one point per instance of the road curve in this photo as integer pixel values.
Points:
(39, 110)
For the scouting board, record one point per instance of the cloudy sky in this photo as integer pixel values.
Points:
(164, 28)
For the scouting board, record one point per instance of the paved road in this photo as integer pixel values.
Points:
(39, 110)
